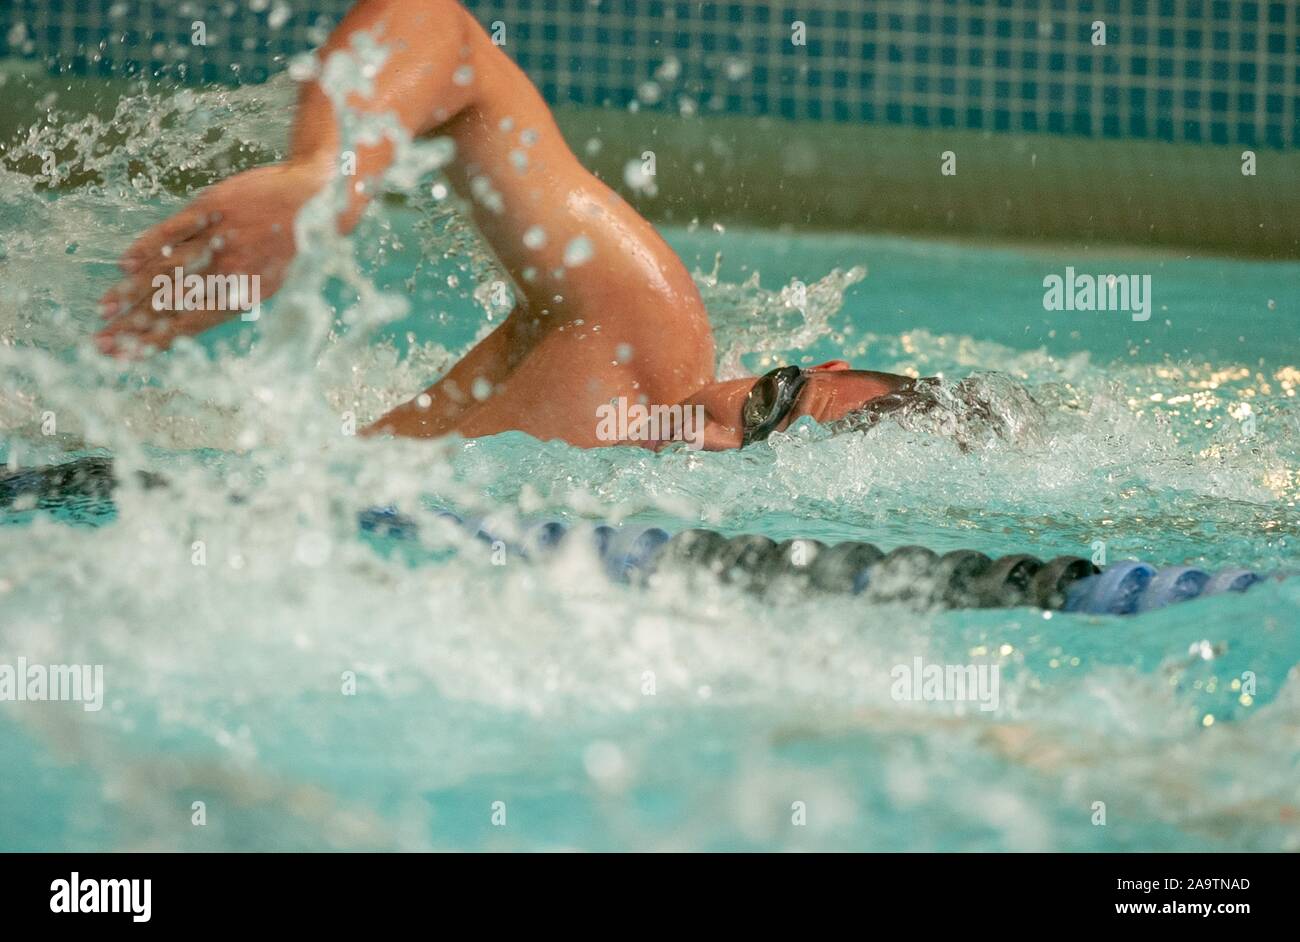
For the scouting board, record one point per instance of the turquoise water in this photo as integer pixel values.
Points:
(233, 611)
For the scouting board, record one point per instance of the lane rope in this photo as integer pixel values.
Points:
(908, 574)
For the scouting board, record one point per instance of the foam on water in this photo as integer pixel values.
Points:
(688, 716)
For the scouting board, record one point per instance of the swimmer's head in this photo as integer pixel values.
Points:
(742, 411)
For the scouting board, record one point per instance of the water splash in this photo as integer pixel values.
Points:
(751, 320)
(229, 608)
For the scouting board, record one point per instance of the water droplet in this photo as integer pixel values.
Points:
(669, 69)
(578, 251)
(736, 69)
(280, 15)
(303, 68)
(464, 75)
(535, 237)
(635, 176)
(481, 389)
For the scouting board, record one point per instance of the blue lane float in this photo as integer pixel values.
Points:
(1115, 591)
(909, 574)
(1174, 584)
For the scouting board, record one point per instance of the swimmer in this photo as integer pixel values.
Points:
(626, 322)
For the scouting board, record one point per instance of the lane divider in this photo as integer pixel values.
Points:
(909, 574)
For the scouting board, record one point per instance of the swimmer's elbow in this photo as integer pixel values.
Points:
(425, 42)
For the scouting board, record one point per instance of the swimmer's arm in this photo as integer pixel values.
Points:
(244, 224)
(426, 41)
(713, 436)
(721, 427)
(718, 436)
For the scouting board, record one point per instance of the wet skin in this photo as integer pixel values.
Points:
(628, 322)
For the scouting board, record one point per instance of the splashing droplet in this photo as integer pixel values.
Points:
(669, 69)
(535, 237)
(637, 179)
(280, 15)
(578, 251)
(304, 68)
(736, 69)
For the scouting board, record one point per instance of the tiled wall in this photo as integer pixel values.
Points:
(1221, 71)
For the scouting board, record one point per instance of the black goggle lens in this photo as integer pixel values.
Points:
(769, 401)
(761, 401)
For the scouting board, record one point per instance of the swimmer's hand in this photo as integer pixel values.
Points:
(242, 226)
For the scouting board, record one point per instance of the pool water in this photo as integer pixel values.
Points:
(314, 688)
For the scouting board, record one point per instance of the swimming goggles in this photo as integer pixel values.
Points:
(769, 402)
